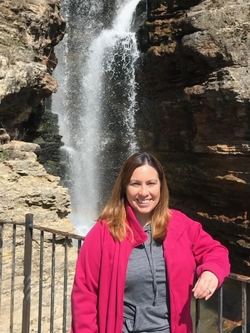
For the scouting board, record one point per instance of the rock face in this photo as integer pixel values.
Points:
(26, 187)
(29, 31)
(194, 79)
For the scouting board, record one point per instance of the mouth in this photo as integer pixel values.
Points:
(143, 202)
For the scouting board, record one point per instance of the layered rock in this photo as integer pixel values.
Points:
(194, 115)
(26, 187)
(29, 31)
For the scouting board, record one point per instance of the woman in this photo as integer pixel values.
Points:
(137, 265)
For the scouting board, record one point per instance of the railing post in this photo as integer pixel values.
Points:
(244, 306)
(220, 309)
(197, 315)
(27, 272)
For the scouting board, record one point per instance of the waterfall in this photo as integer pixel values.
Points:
(95, 102)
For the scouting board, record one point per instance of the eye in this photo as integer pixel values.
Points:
(135, 184)
(152, 183)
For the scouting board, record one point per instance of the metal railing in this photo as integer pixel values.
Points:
(231, 304)
(37, 266)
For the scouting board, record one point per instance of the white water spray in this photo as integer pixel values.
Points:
(96, 104)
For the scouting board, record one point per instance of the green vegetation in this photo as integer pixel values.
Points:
(4, 155)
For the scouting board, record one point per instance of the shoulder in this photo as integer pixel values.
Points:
(98, 233)
(181, 219)
(181, 224)
(97, 229)
(95, 241)
(194, 229)
(177, 214)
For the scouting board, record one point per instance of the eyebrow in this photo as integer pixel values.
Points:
(137, 180)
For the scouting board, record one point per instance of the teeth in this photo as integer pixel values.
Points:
(143, 201)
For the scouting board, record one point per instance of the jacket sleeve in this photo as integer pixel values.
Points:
(85, 286)
(209, 254)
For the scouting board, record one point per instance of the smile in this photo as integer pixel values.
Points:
(142, 202)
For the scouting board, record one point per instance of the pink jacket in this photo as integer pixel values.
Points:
(97, 294)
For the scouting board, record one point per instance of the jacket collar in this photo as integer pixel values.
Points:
(175, 228)
(139, 235)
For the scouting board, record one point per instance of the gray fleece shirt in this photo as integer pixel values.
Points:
(146, 296)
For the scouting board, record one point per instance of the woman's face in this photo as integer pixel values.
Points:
(143, 192)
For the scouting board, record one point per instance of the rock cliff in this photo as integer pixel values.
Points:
(29, 30)
(194, 79)
(26, 187)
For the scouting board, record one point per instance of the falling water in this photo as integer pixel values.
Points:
(95, 102)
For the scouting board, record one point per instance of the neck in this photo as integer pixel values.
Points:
(143, 220)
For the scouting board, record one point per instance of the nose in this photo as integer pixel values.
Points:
(143, 190)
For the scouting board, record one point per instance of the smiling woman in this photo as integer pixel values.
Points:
(136, 268)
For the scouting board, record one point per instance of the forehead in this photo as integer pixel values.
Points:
(145, 171)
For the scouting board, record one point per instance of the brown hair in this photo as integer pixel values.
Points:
(114, 212)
